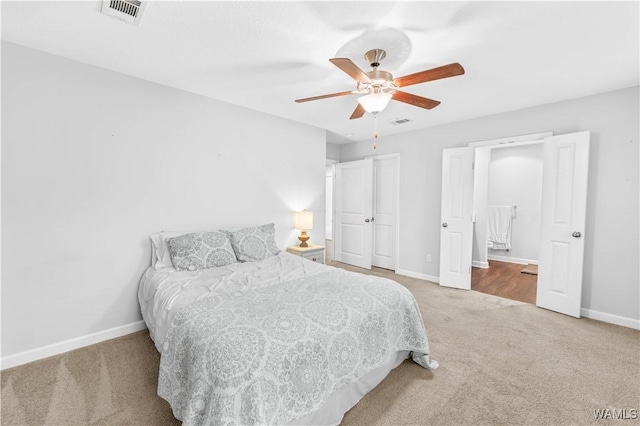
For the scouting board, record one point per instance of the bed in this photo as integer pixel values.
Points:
(277, 340)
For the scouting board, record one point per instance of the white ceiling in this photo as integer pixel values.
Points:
(264, 55)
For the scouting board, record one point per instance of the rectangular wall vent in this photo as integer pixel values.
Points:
(126, 10)
(400, 121)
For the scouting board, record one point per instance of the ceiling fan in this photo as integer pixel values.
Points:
(379, 86)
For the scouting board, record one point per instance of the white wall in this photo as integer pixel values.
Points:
(333, 151)
(94, 161)
(611, 266)
(515, 178)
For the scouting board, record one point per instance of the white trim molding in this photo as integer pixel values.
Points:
(512, 260)
(480, 264)
(418, 275)
(512, 139)
(610, 318)
(69, 345)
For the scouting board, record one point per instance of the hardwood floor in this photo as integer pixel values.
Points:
(500, 279)
(505, 280)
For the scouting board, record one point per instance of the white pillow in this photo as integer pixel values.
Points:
(160, 256)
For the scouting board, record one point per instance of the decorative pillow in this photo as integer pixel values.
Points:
(256, 243)
(203, 250)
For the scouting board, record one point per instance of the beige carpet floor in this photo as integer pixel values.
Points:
(501, 363)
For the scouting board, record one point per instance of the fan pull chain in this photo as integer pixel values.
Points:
(375, 130)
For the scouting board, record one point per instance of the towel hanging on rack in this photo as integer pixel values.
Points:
(499, 226)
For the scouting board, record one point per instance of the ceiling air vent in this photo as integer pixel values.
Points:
(400, 121)
(129, 11)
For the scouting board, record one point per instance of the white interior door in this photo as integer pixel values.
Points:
(353, 202)
(456, 232)
(385, 188)
(562, 227)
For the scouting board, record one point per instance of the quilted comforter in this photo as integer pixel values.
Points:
(270, 355)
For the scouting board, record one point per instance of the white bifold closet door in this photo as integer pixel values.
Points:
(354, 206)
(385, 193)
(366, 196)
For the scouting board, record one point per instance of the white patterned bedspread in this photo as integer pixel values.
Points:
(272, 351)
(164, 292)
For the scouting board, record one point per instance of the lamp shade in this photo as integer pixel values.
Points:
(375, 103)
(303, 220)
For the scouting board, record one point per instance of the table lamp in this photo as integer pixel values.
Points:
(302, 221)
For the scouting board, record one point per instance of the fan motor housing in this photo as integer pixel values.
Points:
(381, 82)
(375, 56)
(380, 76)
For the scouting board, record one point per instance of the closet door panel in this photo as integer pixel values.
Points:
(354, 194)
(385, 193)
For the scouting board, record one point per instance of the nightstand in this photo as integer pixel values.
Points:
(314, 253)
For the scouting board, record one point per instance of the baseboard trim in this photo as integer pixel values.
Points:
(418, 275)
(517, 260)
(69, 345)
(479, 264)
(587, 313)
(610, 318)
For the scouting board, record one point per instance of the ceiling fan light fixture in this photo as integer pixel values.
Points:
(375, 102)
(378, 87)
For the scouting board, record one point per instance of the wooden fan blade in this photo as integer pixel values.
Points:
(358, 112)
(331, 95)
(351, 69)
(416, 100)
(444, 71)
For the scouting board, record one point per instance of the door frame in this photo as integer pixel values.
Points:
(511, 139)
(331, 163)
(504, 143)
(396, 248)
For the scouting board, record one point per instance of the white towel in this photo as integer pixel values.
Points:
(500, 227)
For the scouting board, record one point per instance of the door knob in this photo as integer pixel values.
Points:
(444, 225)
(372, 219)
(367, 220)
(576, 235)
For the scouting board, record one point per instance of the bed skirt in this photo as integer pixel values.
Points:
(345, 398)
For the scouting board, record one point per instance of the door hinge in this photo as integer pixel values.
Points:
(473, 165)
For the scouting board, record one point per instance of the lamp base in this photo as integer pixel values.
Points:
(304, 238)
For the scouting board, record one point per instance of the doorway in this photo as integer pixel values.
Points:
(508, 198)
(562, 219)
